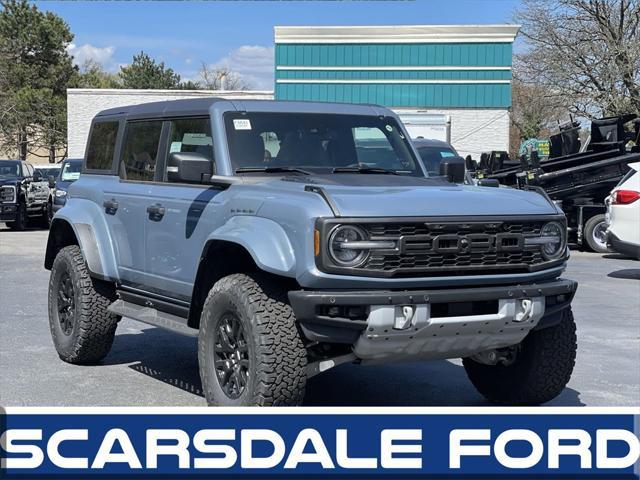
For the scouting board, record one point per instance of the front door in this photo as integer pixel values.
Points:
(180, 216)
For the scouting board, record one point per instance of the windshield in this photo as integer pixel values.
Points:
(9, 168)
(318, 143)
(432, 157)
(46, 171)
(71, 171)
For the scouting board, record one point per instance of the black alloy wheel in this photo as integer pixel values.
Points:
(66, 304)
(231, 355)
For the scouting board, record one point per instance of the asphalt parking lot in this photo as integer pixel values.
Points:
(148, 366)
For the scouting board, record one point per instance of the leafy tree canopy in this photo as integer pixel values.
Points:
(35, 70)
(145, 72)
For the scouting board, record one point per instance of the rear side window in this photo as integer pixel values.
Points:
(140, 151)
(102, 145)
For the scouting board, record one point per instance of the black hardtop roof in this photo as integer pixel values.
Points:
(202, 106)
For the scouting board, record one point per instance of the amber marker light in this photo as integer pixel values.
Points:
(316, 242)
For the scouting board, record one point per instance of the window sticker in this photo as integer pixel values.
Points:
(241, 124)
(175, 147)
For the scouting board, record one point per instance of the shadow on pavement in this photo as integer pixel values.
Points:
(618, 256)
(434, 383)
(161, 355)
(173, 359)
(627, 274)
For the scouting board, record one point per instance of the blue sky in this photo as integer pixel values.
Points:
(239, 34)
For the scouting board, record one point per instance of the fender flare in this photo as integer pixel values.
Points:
(265, 240)
(91, 232)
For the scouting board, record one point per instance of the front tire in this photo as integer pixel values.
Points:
(81, 327)
(20, 223)
(595, 233)
(249, 349)
(541, 370)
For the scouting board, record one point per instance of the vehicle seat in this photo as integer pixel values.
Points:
(302, 149)
(248, 150)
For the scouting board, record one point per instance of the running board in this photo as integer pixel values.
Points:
(153, 317)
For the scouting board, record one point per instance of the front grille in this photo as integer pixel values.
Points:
(7, 194)
(461, 248)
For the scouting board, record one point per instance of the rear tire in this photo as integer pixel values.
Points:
(594, 234)
(249, 349)
(81, 326)
(540, 371)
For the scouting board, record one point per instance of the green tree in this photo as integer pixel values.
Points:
(93, 75)
(144, 72)
(35, 70)
(190, 85)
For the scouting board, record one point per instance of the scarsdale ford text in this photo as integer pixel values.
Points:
(396, 442)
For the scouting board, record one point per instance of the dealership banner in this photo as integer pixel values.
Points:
(321, 442)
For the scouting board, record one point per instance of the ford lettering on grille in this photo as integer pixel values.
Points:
(453, 243)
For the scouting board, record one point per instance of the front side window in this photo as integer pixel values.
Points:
(140, 151)
(321, 143)
(102, 145)
(432, 158)
(191, 135)
(71, 171)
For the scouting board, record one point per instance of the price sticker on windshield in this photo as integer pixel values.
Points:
(241, 124)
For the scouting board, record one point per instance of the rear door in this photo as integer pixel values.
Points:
(124, 201)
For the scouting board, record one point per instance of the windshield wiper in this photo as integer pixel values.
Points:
(364, 169)
(272, 170)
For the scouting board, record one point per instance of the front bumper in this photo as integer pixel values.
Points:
(444, 323)
(620, 246)
(8, 212)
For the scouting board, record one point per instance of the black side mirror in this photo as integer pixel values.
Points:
(52, 181)
(488, 182)
(37, 177)
(188, 167)
(453, 169)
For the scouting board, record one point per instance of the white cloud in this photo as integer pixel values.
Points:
(101, 55)
(253, 62)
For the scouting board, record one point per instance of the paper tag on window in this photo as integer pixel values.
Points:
(241, 124)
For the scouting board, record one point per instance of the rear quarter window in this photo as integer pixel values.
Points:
(102, 146)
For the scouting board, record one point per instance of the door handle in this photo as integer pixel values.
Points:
(156, 212)
(110, 206)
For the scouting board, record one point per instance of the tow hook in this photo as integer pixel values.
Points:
(404, 317)
(525, 309)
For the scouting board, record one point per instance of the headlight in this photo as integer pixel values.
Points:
(552, 240)
(554, 234)
(345, 245)
(61, 193)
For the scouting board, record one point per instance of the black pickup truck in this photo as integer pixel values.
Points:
(23, 194)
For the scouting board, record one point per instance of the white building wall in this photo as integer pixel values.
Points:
(84, 103)
(476, 130)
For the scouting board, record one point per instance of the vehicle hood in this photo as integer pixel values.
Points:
(60, 185)
(367, 195)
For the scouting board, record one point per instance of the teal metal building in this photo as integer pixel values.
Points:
(461, 72)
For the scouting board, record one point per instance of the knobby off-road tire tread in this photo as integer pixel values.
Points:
(280, 358)
(95, 326)
(541, 372)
